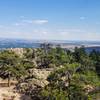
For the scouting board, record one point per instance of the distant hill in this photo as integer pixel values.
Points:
(21, 43)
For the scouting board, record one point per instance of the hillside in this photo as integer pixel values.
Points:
(49, 74)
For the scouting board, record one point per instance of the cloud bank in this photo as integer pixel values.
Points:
(35, 22)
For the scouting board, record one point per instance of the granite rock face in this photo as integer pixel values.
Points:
(18, 51)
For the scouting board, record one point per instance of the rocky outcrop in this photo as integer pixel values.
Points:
(37, 82)
(18, 51)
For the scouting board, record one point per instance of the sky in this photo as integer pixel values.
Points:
(50, 19)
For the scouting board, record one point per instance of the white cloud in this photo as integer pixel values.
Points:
(92, 36)
(35, 21)
(82, 18)
(76, 34)
(71, 30)
(26, 22)
(49, 33)
(82, 35)
(19, 24)
(22, 16)
(23, 22)
(40, 21)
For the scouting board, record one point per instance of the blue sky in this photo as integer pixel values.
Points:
(50, 19)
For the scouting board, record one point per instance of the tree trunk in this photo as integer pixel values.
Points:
(9, 80)
(69, 86)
